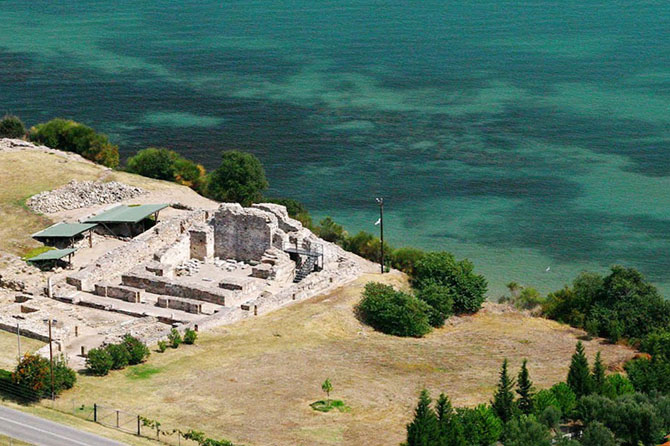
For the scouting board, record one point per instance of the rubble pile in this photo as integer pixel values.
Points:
(80, 194)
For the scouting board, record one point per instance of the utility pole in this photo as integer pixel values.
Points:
(380, 202)
(18, 339)
(51, 361)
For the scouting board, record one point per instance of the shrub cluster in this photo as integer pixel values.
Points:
(175, 339)
(394, 312)
(71, 136)
(12, 127)
(164, 164)
(608, 408)
(33, 377)
(130, 351)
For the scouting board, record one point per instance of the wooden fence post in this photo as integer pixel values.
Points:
(95, 413)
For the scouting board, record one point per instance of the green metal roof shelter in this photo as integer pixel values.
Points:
(62, 234)
(127, 213)
(53, 255)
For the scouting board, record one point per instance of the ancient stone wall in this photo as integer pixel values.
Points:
(109, 267)
(174, 254)
(176, 303)
(202, 243)
(242, 234)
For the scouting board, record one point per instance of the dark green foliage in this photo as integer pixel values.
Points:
(32, 377)
(633, 418)
(331, 231)
(450, 430)
(565, 441)
(119, 354)
(404, 259)
(579, 376)
(657, 344)
(617, 385)
(99, 362)
(542, 400)
(550, 417)
(621, 305)
(526, 431)
(190, 336)
(154, 163)
(393, 312)
(162, 346)
(174, 338)
(72, 136)
(367, 246)
(598, 376)
(240, 178)
(441, 301)
(481, 426)
(596, 434)
(423, 430)
(441, 268)
(12, 127)
(527, 299)
(503, 400)
(525, 390)
(649, 375)
(566, 398)
(137, 350)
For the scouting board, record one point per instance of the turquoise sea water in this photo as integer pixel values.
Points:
(523, 135)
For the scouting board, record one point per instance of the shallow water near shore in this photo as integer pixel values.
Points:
(525, 137)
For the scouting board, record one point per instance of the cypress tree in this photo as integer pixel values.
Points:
(503, 400)
(579, 376)
(598, 377)
(423, 430)
(525, 390)
(450, 429)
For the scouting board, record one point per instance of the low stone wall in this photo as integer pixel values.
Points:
(176, 253)
(167, 287)
(109, 267)
(176, 303)
(242, 285)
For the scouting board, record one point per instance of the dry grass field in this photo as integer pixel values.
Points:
(252, 382)
(26, 173)
(9, 349)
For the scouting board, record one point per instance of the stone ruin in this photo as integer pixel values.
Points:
(203, 269)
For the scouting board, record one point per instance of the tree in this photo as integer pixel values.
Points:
(441, 301)
(331, 231)
(136, 348)
(154, 163)
(514, 289)
(404, 259)
(450, 430)
(239, 179)
(543, 399)
(617, 385)
(566, 398)
(469, 289)
(550, 417)
(174, 338)
(579, 376)
(12, 127)
(99, 362)
(119, 354)
(526, 431)
(190, 336)
(503, 400)
(393, 312)
(525, 390)
(327, 387)
(423, 430)
(481, 426)
(596, 434)
(598, 376)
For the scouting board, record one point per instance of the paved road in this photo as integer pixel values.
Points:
(41, 432)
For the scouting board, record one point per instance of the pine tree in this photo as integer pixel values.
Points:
(579, 376)
(503, 400)
(423, 430)
(450, 429)
(598, 377)
(525, 390)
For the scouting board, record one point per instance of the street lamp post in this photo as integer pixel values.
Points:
(380, 202)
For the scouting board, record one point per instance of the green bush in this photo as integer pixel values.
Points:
(190, 336)
(404, 259)
(367, 246)
(174, 338)
(542, 400)
(239, 179)
(12, 127)
(162, 346)
(99, 362)
(71, 136)
(440, 300)
(469, 289)
(550, 417)
(137, 350)
(527, 299)
(119, 354)
(393, 312)
(596, 434)
(32, 377)
(331, 231)
(657, 344)
(566, 398)
(526, 431)
(617, 385)
(154, 163)
(649, 375)
(481, 427)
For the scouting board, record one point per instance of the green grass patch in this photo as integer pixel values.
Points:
(37, 251)
(142, 371)
(328, 405)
